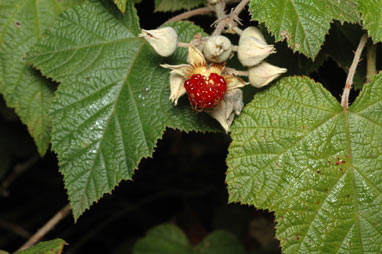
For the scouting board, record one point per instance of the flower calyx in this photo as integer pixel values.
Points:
(263, 74)
(163, 40)
(208, 86)
(217, 49)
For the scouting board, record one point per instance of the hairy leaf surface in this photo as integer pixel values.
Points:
(49, 247)
(176, 5)
(22, 22)
(112, 104)
(296, 152)
(371, 11)
(303, 24)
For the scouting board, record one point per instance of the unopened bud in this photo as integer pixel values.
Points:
(252, 31)
(252, 51)
(263, 74)
(163, 40)
(217, 49)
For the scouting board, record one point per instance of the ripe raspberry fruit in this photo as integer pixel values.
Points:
(205, 92)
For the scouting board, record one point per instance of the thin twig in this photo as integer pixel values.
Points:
(353, 67)
(371, 55)
(17, 171)
(47, 227)
(230, 19)
(16, 229)
(189, 14)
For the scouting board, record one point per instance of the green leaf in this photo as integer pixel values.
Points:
(168, 238)
(49, 247)
(296, 152)
(220, 242)
(121, 4)
(303, 24)
(371, 11)
(176, 5)
(21, 24)
(112, 104)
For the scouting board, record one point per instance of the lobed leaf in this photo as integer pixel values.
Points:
(296, 152)
(303, 24)
(371, 11)
(21, 24)
(49, 247)
(112, 104)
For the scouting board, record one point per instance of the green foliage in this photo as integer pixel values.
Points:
(303, 24)
(176, 5)
(168, 238)
(121, 4)
(371, 11)
(295, 151)
(22, 23)
(49, 247)
(112, 104)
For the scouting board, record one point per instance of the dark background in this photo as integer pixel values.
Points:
(183, 183)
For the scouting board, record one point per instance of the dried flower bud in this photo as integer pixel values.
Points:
(263, 74)
(225, 111)
(217, 49)
(163, 40)
(252, 31)
(252, 51)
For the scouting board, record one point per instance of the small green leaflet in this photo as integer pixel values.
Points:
(112, 104)
(168, 238)
(371, 11)
(303, 24)
(49, 247)
(176, 5)
(297, 153)
(21, 24)
(121, 4)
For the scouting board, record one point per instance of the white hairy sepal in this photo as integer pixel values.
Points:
(263, 74)
(231, 105)
(252, 31)
(178, 76)
(252, 51)
(217, 49)
(163, 40)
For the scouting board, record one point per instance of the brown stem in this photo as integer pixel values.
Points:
(230, 19)
(16, 229)
(371, 56)
(353, 67)
(188, 14)
(47, 227)
(18, 170)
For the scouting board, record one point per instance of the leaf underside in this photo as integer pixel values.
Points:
(303, 24)
(24, 89)
(297, 153)
(112, 104)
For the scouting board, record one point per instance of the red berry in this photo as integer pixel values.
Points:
(203, 92)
